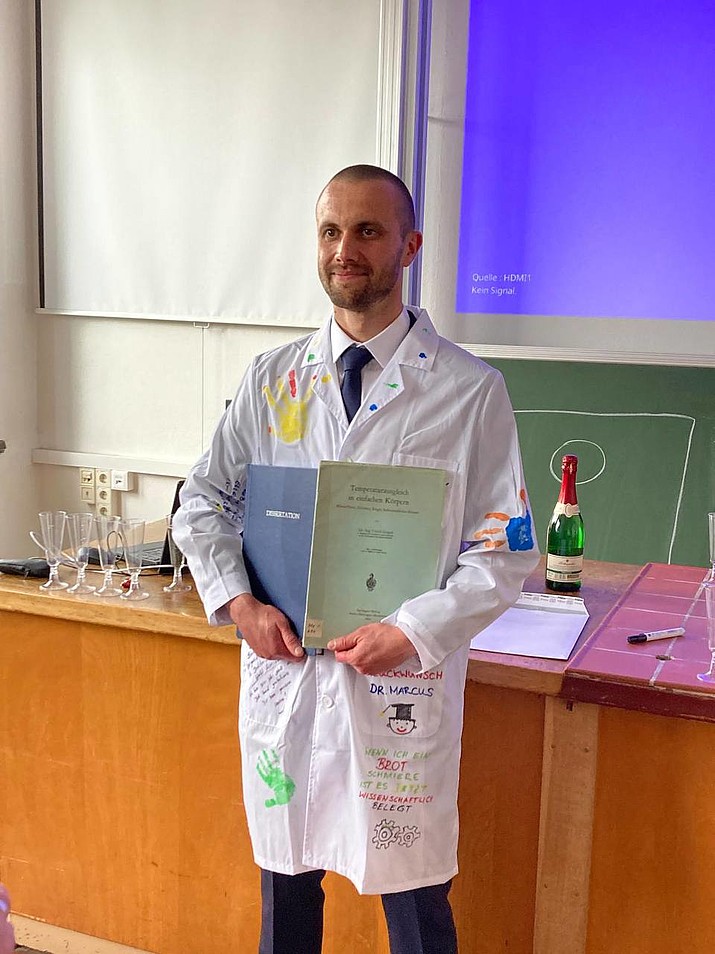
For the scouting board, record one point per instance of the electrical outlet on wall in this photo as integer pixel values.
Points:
(87, 487)
(106, 499)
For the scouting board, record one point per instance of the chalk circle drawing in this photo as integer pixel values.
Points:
(588, 456)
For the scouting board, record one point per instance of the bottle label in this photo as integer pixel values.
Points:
(570, 509)
(563, 569)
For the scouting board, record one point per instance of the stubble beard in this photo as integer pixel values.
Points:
(373, 290)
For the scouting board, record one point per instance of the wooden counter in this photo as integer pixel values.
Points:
(178, 614)
(121, 812)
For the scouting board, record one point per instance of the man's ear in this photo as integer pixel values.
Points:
(413, 243)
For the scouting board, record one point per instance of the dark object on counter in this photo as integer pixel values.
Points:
(35, 567)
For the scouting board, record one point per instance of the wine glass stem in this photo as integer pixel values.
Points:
(54, 573)
(107, 582)
(133, 581)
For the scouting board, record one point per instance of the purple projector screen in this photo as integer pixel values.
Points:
(589, 159)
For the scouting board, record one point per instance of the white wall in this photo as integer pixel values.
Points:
(19, 499)
(125, 388)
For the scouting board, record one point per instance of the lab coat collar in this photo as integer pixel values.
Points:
(420, 345)
(382, 347)
(417, 349)
(317, 351)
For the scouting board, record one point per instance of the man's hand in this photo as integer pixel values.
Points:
(265, 629)
(373, 649)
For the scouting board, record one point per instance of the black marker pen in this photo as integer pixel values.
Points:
(656, 634)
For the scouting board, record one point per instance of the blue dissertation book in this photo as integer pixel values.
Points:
(277, 536)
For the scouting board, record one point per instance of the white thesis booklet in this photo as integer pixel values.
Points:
(546, 625)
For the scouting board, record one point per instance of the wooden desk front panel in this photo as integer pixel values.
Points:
(499, 799)
(652, 885)
(120, 798)
(120, 793)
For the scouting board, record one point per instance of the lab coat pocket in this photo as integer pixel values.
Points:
(453, 504)
(400, 702)
(268, 689)
(451, 468)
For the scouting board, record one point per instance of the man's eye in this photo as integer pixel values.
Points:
(369, 232)
(329, 233)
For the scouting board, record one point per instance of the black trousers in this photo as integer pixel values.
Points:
(418, 921)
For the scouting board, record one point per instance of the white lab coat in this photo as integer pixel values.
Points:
(358, 774)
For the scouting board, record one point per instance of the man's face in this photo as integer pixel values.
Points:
(361, 247)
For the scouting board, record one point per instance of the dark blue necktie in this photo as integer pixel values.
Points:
(354, 360)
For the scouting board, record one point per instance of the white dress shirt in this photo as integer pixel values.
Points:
(381, 347)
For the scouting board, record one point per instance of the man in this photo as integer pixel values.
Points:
(328, 781)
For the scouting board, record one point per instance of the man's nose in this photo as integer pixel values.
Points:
(346, 250)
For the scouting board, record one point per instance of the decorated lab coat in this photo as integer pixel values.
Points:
(350, 773)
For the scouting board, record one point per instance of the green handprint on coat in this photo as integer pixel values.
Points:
(282, 785)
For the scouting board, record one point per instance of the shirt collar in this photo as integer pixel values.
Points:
(381, 347)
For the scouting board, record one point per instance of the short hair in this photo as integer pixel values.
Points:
(366, 173)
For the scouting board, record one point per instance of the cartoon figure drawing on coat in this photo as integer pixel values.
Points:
(316, 730)
(401, 723)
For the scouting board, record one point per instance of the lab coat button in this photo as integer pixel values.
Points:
(328, 702)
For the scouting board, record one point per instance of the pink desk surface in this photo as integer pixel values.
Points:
(658, 677)
(603, 586)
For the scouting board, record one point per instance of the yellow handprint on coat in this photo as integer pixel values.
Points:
(290, 411)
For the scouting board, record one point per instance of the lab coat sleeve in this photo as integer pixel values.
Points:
(209, 522)
(498, 549)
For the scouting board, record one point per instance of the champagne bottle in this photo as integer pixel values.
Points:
(564, 544)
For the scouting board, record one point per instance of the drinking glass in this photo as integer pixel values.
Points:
(709, 590)
(108, 549)
(131, 533)
(178, 561)
(709, 593)
(711, 541)
(52, 532)
(80, 526)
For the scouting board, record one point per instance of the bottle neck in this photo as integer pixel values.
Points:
(567, 494)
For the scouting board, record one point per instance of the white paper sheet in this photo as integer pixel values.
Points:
(539, 624)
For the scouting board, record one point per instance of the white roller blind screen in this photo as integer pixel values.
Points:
(185, 143)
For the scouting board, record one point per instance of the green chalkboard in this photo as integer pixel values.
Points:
(645, 439)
